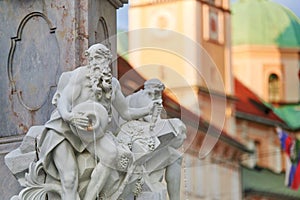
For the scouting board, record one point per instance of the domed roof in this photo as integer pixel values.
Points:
(263, 22)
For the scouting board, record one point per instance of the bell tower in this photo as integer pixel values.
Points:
(186, 44)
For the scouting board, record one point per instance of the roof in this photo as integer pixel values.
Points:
(132, 81)
(249, 106)
(266, 183)
(263, 22)
(290, 114)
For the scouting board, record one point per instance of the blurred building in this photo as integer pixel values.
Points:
(263, 171)
(265, 49)
(217, 176)
(265, 54)
(187, 45)
(264, 58)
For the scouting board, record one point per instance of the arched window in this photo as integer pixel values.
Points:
(274, 88)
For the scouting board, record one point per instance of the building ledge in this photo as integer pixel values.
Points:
(264, 183)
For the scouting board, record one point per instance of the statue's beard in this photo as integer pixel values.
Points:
(100, 81)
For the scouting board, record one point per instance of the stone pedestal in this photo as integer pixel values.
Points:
(38, 41)
(9, 184)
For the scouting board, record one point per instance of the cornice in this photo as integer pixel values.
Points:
(260, 120)
(138, 3)
(264, 48)
(216, 93)
(118, 3)
(8, 144)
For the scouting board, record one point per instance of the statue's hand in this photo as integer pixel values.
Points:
(80, 121)
(154, 103)
(157, 102)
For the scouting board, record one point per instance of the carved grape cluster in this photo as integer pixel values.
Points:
(138, 187)
(130, 146)
(151, 144)
(123, 162)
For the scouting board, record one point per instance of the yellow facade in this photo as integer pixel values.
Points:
(181, 27)
(254, 64)
(186, 44)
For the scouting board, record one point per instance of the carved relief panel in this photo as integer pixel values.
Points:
(33, 67)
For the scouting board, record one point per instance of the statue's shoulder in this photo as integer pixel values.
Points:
(139, 99)
(65, 75)
(115, 83)
(70, 77)
(83, 70)
(75, 75)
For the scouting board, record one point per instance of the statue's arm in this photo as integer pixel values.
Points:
(66, 95)
(121, 105)
(63, 81)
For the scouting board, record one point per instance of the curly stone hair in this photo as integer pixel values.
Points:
(99, 49)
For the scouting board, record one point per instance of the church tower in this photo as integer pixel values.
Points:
(187, 45)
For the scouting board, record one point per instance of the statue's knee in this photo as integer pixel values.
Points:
(178, 141)
(69, 181)
(181, 128)
(97, 170)
(112, 156)
(179, 160)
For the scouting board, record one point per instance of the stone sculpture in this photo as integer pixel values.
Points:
(77, 155)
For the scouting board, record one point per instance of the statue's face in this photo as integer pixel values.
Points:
(98, 60)
(154, 93)
(157, 94)
(99, 64)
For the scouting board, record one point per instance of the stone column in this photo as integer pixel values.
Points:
(39, 40)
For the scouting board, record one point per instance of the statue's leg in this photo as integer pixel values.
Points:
(98, 179)
(173, 177)
(106, 152)
(66, 164)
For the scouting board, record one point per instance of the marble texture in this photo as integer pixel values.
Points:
(78, 154)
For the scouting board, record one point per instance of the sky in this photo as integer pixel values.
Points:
(122, 17)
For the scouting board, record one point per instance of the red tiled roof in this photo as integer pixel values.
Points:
(250, 104)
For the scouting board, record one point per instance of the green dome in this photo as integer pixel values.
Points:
(262, 22)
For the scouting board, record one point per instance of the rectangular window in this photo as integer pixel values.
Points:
(215, 184)
(213, 24)
(199, 178)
